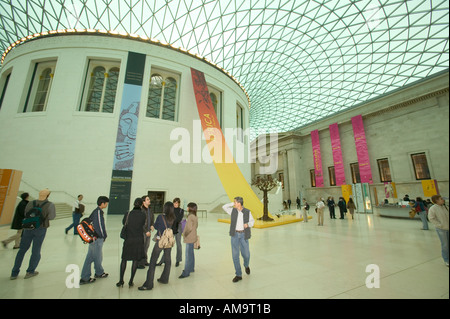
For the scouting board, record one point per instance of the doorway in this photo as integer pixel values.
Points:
(157, 201)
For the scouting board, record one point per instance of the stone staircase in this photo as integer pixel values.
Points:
(63, 210)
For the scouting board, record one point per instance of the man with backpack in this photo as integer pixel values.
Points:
(38, 213)
(95, 250)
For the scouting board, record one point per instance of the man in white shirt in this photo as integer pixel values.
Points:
(241, 222)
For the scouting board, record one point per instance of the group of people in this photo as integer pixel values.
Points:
(138, 225)
(331, 204)
(421, 208)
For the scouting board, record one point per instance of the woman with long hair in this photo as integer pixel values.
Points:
(190, 237)
(133, 245)
(163, 221)
(351, 206)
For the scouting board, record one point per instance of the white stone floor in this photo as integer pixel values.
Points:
(295, 261)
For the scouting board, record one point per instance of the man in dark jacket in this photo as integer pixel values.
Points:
(150, 221)
(95, 251)
(17, 222)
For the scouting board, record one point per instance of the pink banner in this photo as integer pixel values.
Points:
(361, 150)
(337, 154)
(317, 158)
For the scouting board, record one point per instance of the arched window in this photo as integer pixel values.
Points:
(95, 92)
(170, 94)
(101, 87)
(162, 96)
(40, 100)
(154, 96)
(39, 90)
(112, 78)
(216, 99)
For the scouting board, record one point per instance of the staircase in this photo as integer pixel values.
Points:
(63, 210)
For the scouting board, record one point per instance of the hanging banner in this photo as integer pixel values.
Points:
(9, 187)
(390, 191)
(337, 154)
(429, 187)
(361, 150)
(229, 173)
(346, 192)
(317, 158)
(122, 174)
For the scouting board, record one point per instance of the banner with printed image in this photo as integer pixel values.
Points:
(233, 181)
(122, 174)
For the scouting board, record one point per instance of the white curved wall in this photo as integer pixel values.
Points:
(71, 151)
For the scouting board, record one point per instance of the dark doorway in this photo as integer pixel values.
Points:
(157, 201)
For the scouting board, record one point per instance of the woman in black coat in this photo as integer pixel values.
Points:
(133, 246)
(19, 215)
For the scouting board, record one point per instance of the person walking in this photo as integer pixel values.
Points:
(95, 250)
(190, 237)
(17, 222)
(438, 215)
(351, 206)
(421, 210)
(240, 231)
(34, 236)
(78, 211)
(133, 245)
(320, 206)
(163, 221)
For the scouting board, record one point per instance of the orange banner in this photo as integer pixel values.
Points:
(229, 173)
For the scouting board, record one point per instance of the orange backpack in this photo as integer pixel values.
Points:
(86, 231)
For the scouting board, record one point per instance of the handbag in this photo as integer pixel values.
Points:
(412, 213)
(183, 224)
(167, 240)
(123, 232)
(197, 243)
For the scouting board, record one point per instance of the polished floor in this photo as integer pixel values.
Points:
(299, 260)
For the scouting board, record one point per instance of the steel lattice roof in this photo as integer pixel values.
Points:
(299, 61)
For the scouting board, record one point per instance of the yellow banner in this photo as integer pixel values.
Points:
(429, 187)
(346, 192)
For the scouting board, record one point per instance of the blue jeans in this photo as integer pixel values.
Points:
(29, 236)
(76, 221)
(240, 245)
(94, 255)
(423, 217)
(443, 236)
(190, 260)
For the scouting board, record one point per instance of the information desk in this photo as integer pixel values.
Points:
(394, 211)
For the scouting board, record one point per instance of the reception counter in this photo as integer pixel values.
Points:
(394, 211)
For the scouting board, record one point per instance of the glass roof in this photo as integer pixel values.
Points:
(299, 61)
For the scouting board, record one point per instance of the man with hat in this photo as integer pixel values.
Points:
(34, 236)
